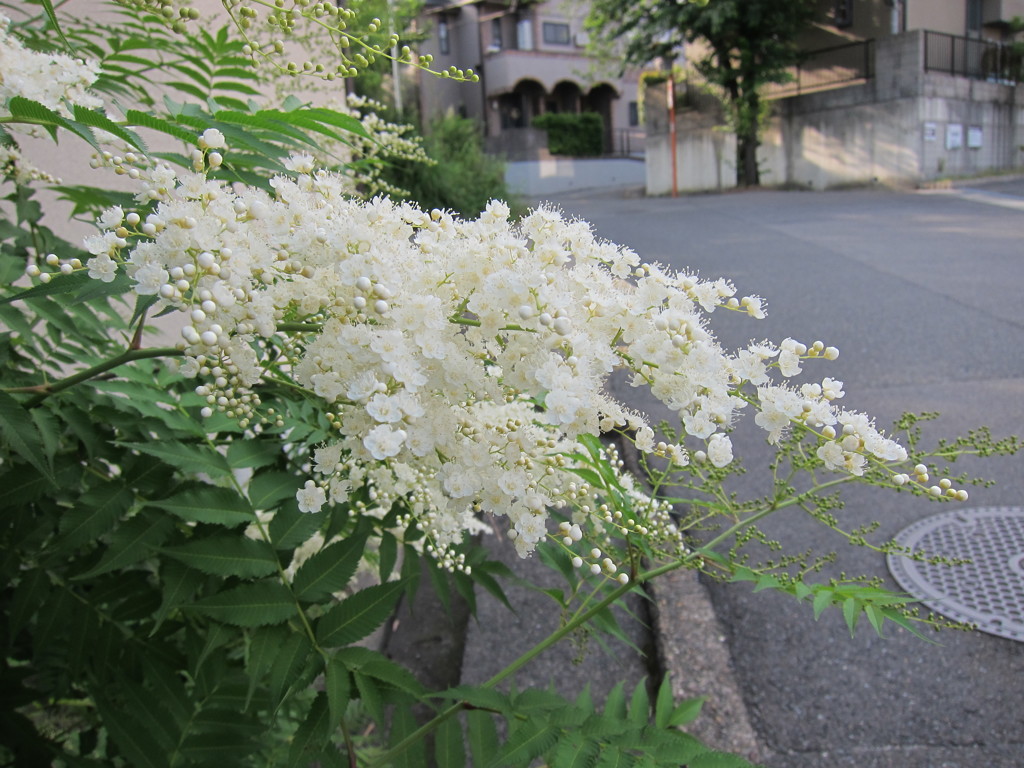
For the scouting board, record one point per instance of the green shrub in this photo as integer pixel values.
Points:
(579, 135)
(463, 178)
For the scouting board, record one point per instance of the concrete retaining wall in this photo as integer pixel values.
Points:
(903, 126)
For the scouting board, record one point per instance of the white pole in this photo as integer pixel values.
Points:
(396, 83)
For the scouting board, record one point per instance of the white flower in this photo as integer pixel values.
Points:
(102, 267)
(383, 442)
(212, 139)
(720, 450)
(311, 497)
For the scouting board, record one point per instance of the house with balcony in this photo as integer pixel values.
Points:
(531, 60)
(891, 91)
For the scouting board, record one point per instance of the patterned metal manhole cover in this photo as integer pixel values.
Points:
(988, 592)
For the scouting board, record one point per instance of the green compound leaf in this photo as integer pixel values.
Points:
(21, 434)
(312, 735)
(96, 119)
(449, 748)
(267, 489)
(338, 688)
(253, 453)
(133, 542)
(575, 751)
(208, 504)
(403, 724)
(96, 513)
(227, 555)
(249, 605)
(188, 457)
(329, 570)
(356, 617)
(530, 740)
(482, 736)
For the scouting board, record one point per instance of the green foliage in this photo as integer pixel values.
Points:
(576, 135)
(749, 44)
(462, 179)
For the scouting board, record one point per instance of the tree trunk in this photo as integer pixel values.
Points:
(747, 172)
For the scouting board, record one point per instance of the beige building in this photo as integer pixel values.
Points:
(891, 91)
(531, 60)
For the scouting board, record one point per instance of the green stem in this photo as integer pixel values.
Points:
(129, 355)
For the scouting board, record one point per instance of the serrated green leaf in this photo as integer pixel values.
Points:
(51, 16)
(663, 704)
(150, 713)
(338, 689)
(449, 749)
(30, 593)
(370, 663)
(370, 695)
(290, 528)
(612, 757)
(253, 453)
(289, 661)
(96, 513)
(387, 554)
(221, 748)
(134, 742)
(187, 457)
(481, 698)
(226, 555)
(482, 735)
(686, 711)
(132, 542)
(403, 724)
(766, 581)
(529, 741)
(249, 605)
(851, 612)
(208, 504)
(822, 600)
(330, 569)
(357, 616)
(22, 436)
(875, 616)
(97, 119)
(312, 734)
(615, 704)
(146, 120)
(261, 652)
(575, 751)
(266, 489)
(639, 706)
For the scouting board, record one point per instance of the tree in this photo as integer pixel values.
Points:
(749, 44)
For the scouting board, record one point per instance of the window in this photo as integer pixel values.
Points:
(842, 13)
(443, 41)
(634, 114)
(496, 34)
(555, 33)
(524, 35)
(974, 18)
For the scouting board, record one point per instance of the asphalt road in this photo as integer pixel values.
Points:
(923, 293)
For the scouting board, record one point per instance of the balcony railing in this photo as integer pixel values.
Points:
(972, 57)
(826, 68)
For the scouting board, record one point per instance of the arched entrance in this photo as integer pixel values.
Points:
(599, 99)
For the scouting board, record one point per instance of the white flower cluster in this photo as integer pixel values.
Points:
(52, 79)
(459, 360)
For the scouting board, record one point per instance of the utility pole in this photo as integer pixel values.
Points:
(396, 83)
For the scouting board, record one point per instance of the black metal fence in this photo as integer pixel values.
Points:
(827, 68)
(972, 57)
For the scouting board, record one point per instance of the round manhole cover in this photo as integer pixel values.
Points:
(989, 591)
